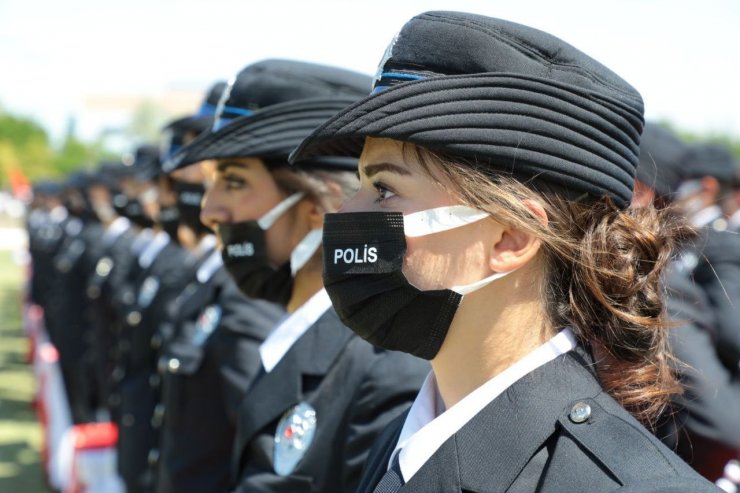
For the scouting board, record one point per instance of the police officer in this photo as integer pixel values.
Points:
(708, 171)
(161, 271)
(67, 312)
(323, 394)
(495, 178)
(703, 426)
(209, 353)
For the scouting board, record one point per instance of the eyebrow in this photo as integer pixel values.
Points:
(373, 169)
(222, 166)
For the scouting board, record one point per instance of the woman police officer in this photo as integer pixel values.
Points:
(324, 394)
(491, 235)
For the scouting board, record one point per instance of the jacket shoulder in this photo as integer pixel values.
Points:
(623, 448)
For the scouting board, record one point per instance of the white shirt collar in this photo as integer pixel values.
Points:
(141, 241)
(116, 229)
(706, 216)
(428, 425)
(160, 240)
(209, 267)
(205, 245)
(292, 328)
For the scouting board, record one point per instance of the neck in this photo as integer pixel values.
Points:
(475, 351)
(308, 281)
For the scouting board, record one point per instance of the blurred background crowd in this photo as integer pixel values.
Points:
(94, 98)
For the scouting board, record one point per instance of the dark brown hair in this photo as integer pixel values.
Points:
(602, 276)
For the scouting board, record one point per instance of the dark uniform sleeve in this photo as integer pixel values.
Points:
(392, 382)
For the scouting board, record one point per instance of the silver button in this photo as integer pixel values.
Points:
(104, 266)
(153, 456)
(133, 318)
(580, 412)
(128, 419)
(173, 364)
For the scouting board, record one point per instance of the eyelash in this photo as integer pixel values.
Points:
(234, 183)
(382, 188)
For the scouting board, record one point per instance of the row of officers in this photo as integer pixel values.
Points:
(192, 303)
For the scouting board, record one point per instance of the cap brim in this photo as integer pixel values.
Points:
(527, 126)
(197, 124)
(272, 132)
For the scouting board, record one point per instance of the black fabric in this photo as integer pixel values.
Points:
(363, 257)
(708, 159)
(245, 258)
(265, 84)
(661, 157)
(524, 440)
(189, 199)
(201, 398)
(146, 164)
(356, 390)
(272, 134)
(392, 480)
(169, 219)
(516, 98)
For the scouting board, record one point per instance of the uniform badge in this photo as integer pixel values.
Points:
(293, 436)
(148, 291)
(207, 322)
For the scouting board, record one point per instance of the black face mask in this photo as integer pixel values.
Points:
(169, 219)
(363, 261)
(245, 255)
(134, 211)
(189, 198)
(119, 202)
(245, 258)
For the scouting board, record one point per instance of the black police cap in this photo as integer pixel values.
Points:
(146, 165)
(270, 107)
(661, 156)
(202, 120)
(708, 159)
(519, 99)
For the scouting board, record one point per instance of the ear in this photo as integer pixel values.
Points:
(516, 247)
(311, 212)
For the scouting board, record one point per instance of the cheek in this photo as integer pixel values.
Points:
(280, 239)
(446, 259)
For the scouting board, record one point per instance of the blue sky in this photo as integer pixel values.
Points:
(681, 55)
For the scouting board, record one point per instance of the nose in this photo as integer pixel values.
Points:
(213, 211)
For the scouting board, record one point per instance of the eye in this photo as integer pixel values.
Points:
(234, 182)
(384, 192)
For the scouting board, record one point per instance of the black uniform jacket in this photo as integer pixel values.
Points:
(525, 441)
(356, 390)
(718, 273)
(216, 347)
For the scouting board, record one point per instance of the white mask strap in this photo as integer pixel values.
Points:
(274, 214)
(305, 249)
(431, 221)
(475, 286)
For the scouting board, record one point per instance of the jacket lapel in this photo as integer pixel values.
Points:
(276, 392)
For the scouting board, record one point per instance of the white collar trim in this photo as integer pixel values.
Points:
(279, 342)
(428, 425)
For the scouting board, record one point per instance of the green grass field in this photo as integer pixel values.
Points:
(20, 435)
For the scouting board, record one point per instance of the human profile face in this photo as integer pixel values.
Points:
(391, 180)
(243, 189)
